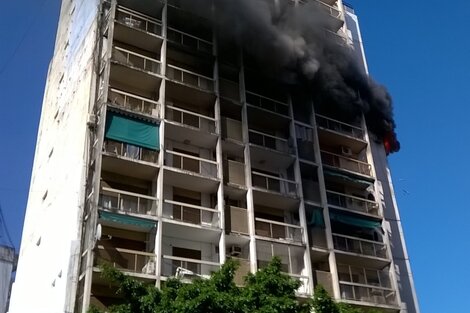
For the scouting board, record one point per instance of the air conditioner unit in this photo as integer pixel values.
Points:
(235, 251)
(346, 151)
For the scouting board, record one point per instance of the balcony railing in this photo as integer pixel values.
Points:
(347, 163)
(187, 268)
(364, 276)
(360, 246)
(269, 141)
(129, 151)
(376, 295)
(340, 127)
(127, 202)
(267, 103)
(126, 260)
(140, 21)
(189, 118)
(334, 12)
(232, 129)
(133, 102)
(190, 213)
(238, 219)
(191, 163)
(273, 183)
(304, 287)
(188, 40)
(235, 172)
(278, 230)
(136, 60)
(190, 78)
(229, 89)
(352, 203)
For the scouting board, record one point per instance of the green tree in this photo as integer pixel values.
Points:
(266, 291)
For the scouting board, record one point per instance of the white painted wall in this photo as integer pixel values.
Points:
(52, 225)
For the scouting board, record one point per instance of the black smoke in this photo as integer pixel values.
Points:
(292, 43)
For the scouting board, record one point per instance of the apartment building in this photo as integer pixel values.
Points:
(164, 152)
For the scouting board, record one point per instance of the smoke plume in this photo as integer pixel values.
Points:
(292, 44)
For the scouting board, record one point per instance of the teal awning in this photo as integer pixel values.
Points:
(316, 218)
(135, 132)
(354, 221)
(126, 220)
(347, 178)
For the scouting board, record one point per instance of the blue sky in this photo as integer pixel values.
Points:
(419, 49)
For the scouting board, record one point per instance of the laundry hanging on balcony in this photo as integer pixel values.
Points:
(135, 132)
(316, 218)
(354, 221)
(126, 220)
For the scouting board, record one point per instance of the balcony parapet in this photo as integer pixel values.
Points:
(273, 183)
(187, 268)
(137, 262)
(340, 127)
(127, 202)
(353, 203)
(188, 118)
(191, 163)
(136, 60)
(189, 40)
(139, 21)
(134, 102)
(266, 103)
(346, 163)
(190, 213)
(269, 141)
(278, 230)
(190, 78)
(360, 246)
(129, 151)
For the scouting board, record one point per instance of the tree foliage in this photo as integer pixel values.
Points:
(266, 291)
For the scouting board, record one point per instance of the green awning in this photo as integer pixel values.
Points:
(347, 178)
(127, 220)
(316, 218)
(135, 132)
(354, 221)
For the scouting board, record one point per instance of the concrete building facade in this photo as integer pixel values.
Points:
(161, 152)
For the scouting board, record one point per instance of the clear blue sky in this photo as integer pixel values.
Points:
(419, 49)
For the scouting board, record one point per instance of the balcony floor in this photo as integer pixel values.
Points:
(190, 135)
(360, 260)
(185, 231)
(137, 38)
(129, 167)
(140, 79)
(188, 180)
(330, 137)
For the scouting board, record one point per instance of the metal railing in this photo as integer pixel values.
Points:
(364, 276)
(189, 118)
(136, 60)
(273, 183)
(190, 78)
(199, 268)
(340, 127)
(278, 230)
(269, 141)
(229, 89)
(304, 288)
(360, 246)
(267, 103)
(133, 102)
(137, 20)
(190, 213)
(189, 40)
(191, 163)
(377, 295)
(126, 260)
(352, 203)
(347, 163)
(129, 151)
(124, 201)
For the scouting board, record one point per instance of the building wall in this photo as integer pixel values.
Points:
(52, 222)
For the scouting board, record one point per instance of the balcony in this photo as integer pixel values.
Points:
(186, 268)
(269, 141)
(345, 163)
(371, 295)
(336, 17)
(133, 102)
(278, 230)
(188, 40)
(339, 127)
(360, 246)
(129, 151)
(192, 214)
(189, 118)
(266, 103)
(229, 89)
(352, 203)
(127, 202)
(136, 60)
(189, 78)
(137, 263)
(274, 184)
(138, 21)
(191, 163)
